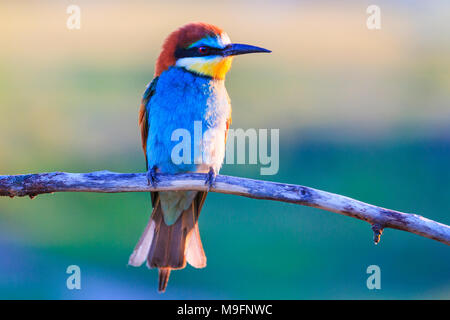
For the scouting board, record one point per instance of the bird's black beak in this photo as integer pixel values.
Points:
(235, 49)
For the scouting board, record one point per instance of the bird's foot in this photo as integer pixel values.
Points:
(151, 177)
(210, 178)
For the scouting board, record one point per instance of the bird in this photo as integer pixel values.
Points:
(188, 87)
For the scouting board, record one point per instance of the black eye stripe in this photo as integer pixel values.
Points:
(195, 52)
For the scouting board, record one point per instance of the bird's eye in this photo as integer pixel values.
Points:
(203, 50)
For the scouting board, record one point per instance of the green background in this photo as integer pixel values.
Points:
(363, 113)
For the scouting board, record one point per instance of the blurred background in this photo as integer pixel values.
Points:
(363, 113)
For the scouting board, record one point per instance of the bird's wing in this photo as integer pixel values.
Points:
(143, 114)
(144, 123)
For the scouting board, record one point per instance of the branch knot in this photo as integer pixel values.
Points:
(377, 231)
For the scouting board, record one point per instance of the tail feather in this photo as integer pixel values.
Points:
(164, 274)
(169, 242)
(195, 255)
(142, 248)
(170, 247)
(194, 250)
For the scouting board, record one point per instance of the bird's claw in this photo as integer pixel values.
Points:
(151, 177)
(210, 178)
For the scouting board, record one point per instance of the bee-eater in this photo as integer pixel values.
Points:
(188, 87)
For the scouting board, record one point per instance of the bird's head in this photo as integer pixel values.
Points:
(201, 48)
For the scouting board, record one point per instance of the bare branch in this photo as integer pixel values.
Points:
(110, 182)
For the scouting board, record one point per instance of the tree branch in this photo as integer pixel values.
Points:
(110, 182)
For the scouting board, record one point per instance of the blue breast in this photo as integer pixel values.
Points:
(180, 99)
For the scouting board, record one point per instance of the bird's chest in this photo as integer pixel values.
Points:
(187, 118)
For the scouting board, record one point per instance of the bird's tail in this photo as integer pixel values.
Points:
(169, 247)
